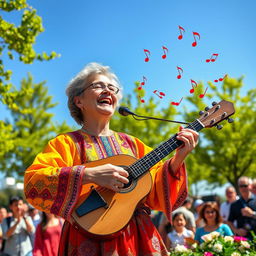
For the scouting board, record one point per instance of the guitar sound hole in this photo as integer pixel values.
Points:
(128, 184)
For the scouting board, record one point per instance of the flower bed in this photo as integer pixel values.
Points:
(216, 245)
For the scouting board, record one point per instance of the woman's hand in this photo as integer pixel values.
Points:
(107, 175)
(190, 139)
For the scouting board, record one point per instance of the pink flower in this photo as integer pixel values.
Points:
(208, 254)
(239, 238)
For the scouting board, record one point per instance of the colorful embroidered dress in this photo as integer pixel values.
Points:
(53, 184)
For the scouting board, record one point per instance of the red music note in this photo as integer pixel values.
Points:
(203, 94)
(177, 103)
(213, 57)
(142, 83)
(159, 94)
(181, 35)
(180, 70)
(220, 79)
(147, 53)
(194, 44)
(165, 49)
(141, 100)
(194, 84)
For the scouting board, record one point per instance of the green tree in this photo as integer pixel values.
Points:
(225, 155)
(32, 129)
(16, 41)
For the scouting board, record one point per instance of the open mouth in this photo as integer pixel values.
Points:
(105, 101)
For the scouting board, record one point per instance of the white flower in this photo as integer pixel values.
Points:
(207, 238)
(235, 254)
(228, 239)
(215, 234)
(245, 244)
(194, 245)
(218, 247)
(181, 248)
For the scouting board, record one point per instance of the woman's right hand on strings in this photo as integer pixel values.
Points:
(107, 175)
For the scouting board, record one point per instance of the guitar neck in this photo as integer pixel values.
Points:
(164, 149)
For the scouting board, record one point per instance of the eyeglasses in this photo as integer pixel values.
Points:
(101, 86)
(209, 212)
(243, 186)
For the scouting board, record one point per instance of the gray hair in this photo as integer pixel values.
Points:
(79, 82)
(245, 178)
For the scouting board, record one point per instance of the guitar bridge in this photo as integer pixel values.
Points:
(91, 203)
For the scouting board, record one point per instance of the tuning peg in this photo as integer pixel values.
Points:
(219, 126)
(230, 120)
(206, 108)
(201, 112)
(214, 103)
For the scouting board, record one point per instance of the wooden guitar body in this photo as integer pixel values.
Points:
(120, 206)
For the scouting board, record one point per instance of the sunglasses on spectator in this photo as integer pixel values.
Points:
(243, 185)
(209, 212)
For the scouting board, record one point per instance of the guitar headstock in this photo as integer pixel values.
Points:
(219, 112)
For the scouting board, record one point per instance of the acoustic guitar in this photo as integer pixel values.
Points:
(101, 211)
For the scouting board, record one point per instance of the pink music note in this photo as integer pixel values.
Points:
(181, 30)
(165, 49)
(180, 70)
(213, 57)
(220, 79)
(203, 94)
(194, 85)
(142, 83)
(141, 100)
(159, 94)
(177, 103)
(194, 44)
(147, 53)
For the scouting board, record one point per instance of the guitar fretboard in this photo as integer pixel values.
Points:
(164, 149)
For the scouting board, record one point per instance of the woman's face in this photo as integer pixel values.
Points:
(96, 101)
(210, 214)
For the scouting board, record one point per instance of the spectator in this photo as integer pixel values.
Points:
(243, 210)
(3, 215)
(253, 188)
(47, 236)
(16, 230)
(197, 206)
(213, 222)
(179, 233)
(165, 226)
(231, 196)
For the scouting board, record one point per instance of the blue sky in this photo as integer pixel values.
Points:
(116, 32)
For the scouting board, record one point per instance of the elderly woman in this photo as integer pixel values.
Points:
(60, 174)
(210, 213)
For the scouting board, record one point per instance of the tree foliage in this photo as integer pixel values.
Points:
(31, 129)
(16, 41)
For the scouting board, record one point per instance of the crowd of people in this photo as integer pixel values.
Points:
(25, 231)
(235, 216)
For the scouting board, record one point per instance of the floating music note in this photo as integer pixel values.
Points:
(194, 85)
(141, 100)
(180, 71)
(194, 44)
(213, 57)
(159, 94)
(203, 94)
(177, 103)
(147, 53)
(220, 79)
(165, 49)
(181, 30)
(142, 83)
